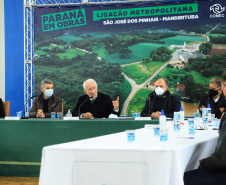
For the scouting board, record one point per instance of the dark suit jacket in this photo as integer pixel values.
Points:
(172, 105)
(2, 112)
(101, 108)
(217, 161)
(215, 107)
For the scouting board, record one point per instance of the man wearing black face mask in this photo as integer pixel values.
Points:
(215, 98)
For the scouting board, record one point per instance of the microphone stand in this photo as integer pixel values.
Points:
(24, 117)
(82, 105)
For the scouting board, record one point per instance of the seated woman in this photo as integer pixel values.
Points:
(2, 112)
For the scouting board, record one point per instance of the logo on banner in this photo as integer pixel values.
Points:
(217, 10)
(63, 20)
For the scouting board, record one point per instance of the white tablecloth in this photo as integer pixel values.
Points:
(111, 160)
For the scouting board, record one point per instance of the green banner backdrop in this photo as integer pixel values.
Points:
(125, 48)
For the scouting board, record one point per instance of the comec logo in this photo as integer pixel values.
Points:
(217, 10)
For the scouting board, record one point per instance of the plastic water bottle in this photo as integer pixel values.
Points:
(204, 115)
(162, 121)
(69, 113)
(209, 113)
(181, 117)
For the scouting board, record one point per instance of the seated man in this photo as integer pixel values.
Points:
(212, 170)
(161, 99)
(95, 104)
(46, 102)
(215, 98)
(2, 112)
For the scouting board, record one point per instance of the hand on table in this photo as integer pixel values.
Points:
(200, 108)
(87, 115)
(40, 114)
(156, 114)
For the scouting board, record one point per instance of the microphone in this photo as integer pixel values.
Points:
(25, 106)
(82, 105)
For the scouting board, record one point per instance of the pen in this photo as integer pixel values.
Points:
(187, 137)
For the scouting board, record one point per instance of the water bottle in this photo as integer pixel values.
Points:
(162, 121)
(69, 113)
(209, 113)
(204, 115)
(181, 117)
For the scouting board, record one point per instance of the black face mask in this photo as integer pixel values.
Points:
(213, 93)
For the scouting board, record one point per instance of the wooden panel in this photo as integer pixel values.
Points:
(19, 180)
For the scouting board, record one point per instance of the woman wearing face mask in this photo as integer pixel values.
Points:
(2, 112)
(161, 99)
(215, 98)
(46, 102)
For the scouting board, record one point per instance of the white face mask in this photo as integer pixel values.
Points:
(49, 92)
(159, 91)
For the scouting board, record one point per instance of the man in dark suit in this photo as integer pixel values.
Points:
(161, 99)
(95, 104)
(212, 170)
(2, 112)
(215, 98)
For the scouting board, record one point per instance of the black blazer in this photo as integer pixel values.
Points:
(101, 108)
(173, 105)
(215, 107)
(2, 112)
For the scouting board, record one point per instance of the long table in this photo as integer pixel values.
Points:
(21, 141)
(111, 159)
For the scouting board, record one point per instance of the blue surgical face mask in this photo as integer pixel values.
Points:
(48, 93)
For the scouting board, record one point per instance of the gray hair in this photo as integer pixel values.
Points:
(89, 80)
(216, 81)
(46, 81)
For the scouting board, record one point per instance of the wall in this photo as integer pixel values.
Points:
(14, 54)
(2, 51)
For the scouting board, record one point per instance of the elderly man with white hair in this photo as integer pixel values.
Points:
(95, 104)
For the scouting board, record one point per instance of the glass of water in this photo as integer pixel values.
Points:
(176, 126)
(131, 135)
(176, 116)
(59, 115)
(53, 115)
(135, 114)
(19, 114)
(163, 135)
(191, 127)
(156, 130)
(217, 123)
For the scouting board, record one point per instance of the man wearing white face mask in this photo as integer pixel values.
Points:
(46, 102)
(161, 99)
